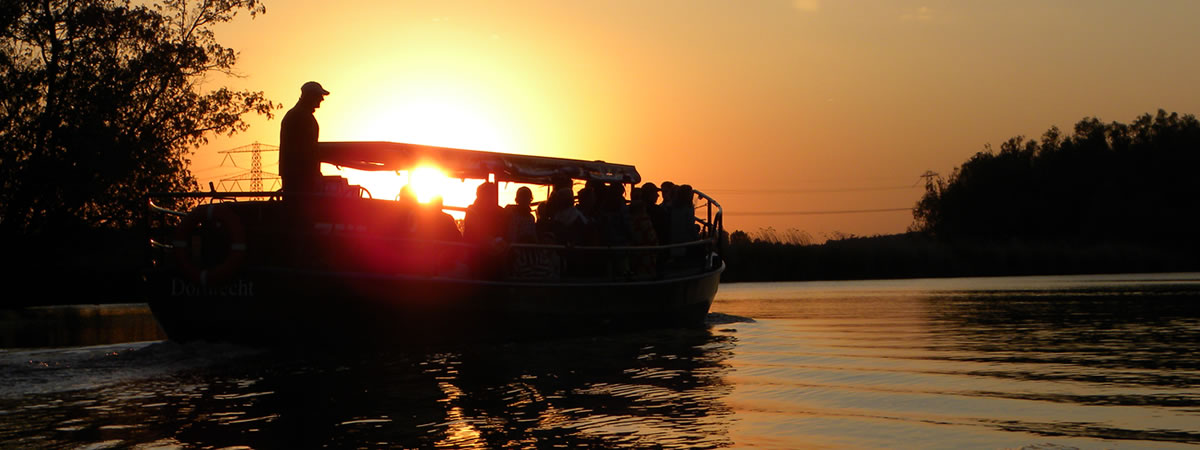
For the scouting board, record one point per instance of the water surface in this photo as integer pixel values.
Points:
(1024, 362)
(1088, 362)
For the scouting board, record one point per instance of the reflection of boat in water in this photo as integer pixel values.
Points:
(336, 264)
(643, 389)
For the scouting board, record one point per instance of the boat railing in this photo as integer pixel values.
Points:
(712, 222)
(154, 207)
(520, 261)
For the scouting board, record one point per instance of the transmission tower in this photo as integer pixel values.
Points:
(929, 176)
(255, 175)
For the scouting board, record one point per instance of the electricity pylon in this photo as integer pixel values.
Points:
(255, 175)
(929, 176)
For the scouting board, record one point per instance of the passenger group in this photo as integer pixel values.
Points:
(598, 215)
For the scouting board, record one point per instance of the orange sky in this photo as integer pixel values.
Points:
(770, 105)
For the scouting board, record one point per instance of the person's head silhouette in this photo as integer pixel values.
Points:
(524, 196)
(311, 94)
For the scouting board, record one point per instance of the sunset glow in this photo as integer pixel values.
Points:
(427, 182)
(788, 111)
(440, 117)
(444, 122)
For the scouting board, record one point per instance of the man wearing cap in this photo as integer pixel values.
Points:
(299, 167)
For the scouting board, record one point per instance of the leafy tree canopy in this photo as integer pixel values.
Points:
(103, 101)
(1106, 182)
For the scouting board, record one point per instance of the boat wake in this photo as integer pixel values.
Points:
(48, 371)
(725, 319)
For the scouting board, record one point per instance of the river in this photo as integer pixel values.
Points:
(1016, 362)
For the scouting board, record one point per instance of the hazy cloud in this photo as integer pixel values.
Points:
(922, 14)
(807, 5)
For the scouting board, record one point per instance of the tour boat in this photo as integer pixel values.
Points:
(272, 267)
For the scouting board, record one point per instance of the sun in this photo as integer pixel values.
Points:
(427, 182)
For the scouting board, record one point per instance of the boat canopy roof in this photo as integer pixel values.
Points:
(460, 163)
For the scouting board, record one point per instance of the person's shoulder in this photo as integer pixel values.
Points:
(298, 113)
(291, 115)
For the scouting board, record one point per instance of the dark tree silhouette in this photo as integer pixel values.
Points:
(102, 101)
(1106, 182)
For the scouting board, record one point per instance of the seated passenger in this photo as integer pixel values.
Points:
(521, 226)
(683, 216)
(587, 202)
(683, 221)
(588, 207)
(528, 263)
(406, 196)
(644, 264)
(642, 226)
(668, 193)
(567, 223)
(421, 252)
(544, 213)
(614, 215)
(485, 219)
(434, 224)
(658, 215)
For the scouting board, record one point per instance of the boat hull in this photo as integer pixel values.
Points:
(271, 306)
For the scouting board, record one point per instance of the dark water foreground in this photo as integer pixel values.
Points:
(660, 388)
(1034, 362)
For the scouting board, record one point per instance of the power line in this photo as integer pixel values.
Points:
(927, 176)
(225, 174)
(808, 213)
(808, 191)
(208, 169)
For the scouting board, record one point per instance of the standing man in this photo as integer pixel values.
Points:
(299, 167)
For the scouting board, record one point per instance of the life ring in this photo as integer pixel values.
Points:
(211, 214)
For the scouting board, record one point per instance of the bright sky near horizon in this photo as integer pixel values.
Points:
(774, 107)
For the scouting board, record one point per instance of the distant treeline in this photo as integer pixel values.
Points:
(1106, 182)
(1110, 197)
(917, 255)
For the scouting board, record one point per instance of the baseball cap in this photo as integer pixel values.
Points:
(313, 87)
